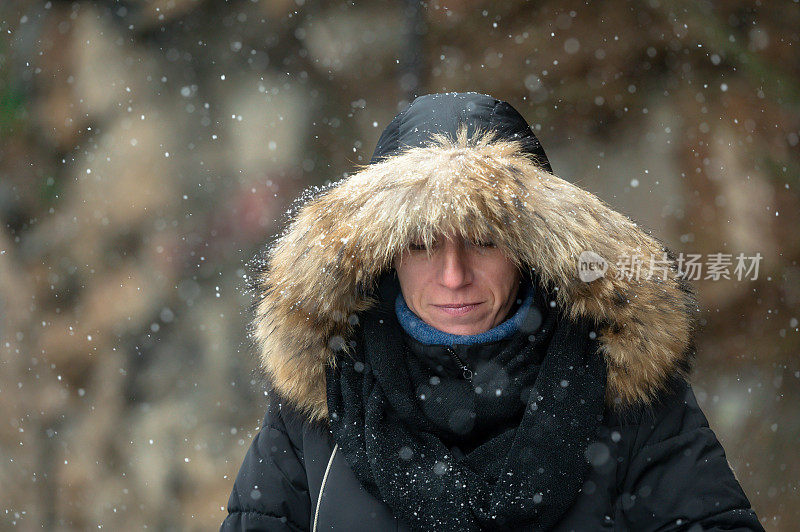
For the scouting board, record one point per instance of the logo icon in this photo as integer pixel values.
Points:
(591, 266)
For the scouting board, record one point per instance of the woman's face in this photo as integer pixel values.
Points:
(462, 288)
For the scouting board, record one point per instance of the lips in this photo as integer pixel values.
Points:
(457, 309)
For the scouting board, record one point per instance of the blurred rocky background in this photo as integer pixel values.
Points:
(150, 148)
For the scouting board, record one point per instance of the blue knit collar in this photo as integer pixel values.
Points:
(427, 334)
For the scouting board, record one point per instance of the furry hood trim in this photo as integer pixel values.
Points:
(322, 270)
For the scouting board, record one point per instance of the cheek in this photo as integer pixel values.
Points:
(411, 277)
(501, 275)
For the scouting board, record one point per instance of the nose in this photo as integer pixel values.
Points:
(454, 269)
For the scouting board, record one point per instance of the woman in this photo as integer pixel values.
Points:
(436, 362)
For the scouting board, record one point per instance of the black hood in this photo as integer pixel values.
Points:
(444, 113)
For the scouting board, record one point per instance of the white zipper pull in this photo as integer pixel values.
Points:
(465, 371)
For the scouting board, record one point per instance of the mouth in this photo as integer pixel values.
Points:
(457, 309)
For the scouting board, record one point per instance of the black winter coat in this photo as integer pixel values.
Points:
(661, 469)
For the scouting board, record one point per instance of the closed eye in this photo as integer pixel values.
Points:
(419, 245)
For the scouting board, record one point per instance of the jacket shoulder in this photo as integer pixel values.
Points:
(674, 412)
(283, 416)
(271, 490)
(677, 474)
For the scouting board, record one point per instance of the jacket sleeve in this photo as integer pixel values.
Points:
(270, 492)
(678, 477)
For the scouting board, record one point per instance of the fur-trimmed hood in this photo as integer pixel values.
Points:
(322, 270)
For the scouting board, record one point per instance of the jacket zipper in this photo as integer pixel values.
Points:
(465, 371)
(322, 486)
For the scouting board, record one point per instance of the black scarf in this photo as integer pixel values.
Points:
(526, 472)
